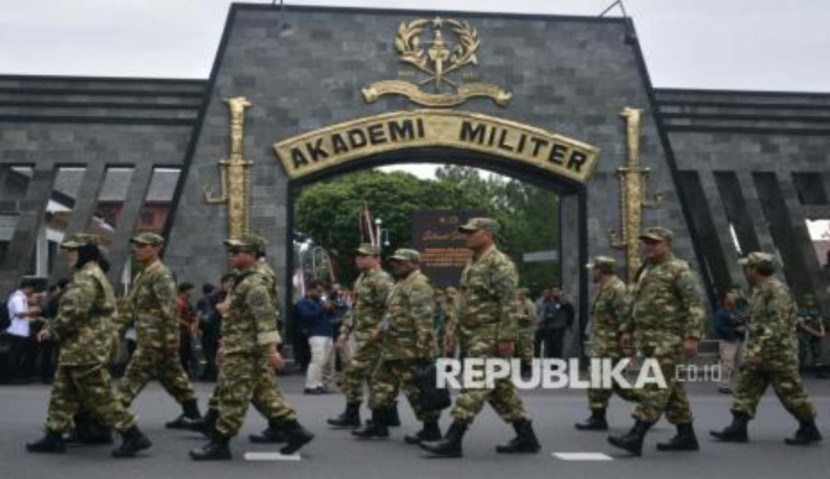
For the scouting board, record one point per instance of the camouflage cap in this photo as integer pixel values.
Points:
(76, 240)
(606, 264)
(147, 238)
(367, 249)
(252, 242)
(657, 234)
(475, 224)
(406, 254)
(758, 258)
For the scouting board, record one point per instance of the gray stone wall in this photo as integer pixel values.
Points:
(569, 75)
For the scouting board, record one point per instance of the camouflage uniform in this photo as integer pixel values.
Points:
(407, 342)
(151, 308)
(487, 316)
(526, 322)
(371, 292)
(83, 331)
(771, 354)
(609, 308)
(246, 334)
(667, 310)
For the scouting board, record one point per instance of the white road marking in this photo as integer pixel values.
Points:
(582, 456)
(271, 456)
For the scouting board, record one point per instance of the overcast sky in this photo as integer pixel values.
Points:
(742, 44)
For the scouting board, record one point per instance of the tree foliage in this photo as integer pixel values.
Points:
(328, 212)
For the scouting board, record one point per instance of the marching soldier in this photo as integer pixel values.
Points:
(770, 357)
(249, 354)
(667, 323)
(83, 330)
(526, 321)
(407, 343)
(151, 308)
(811, 334)
(487, 329)
(266, 392)
(371, 292)
(609, 309)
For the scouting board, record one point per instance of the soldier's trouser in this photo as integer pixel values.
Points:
(787, 386)
(147, 364)
(387, 376)
(502, 397)
(87, 386)
(266, 398)
(243, 379)
(672, 400)
(598, 397)
(359, 370)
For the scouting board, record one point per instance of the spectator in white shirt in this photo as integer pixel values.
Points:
(23, 346)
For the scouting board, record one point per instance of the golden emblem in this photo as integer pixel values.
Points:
(437, 58)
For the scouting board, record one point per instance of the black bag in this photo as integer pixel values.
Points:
(432, 397)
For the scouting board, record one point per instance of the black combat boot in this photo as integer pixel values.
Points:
(633, 440)
(217, 449)
(132, 441)
(189, 417)
(596, 422)
(207, 424)
(807, 433)
(377, 427)
(274, 434)
(735, 432)
(296, 436)
(684, 440)
(524, 442)
(52, 442)
(450, 446)
(349, 419)
(430, 432)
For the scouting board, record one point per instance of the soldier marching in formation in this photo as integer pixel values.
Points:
(151, 308)
(407, 342)
(249, 356)
(609, 310)
(84, 329)
(393, 324)
(770, 357)
(486, 328)
(667, 323)
(371, 289)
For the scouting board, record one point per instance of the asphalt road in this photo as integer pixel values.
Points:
(336, 454)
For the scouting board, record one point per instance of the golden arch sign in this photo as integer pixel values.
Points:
(346, 142)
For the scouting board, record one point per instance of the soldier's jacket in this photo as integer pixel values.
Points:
(667, 302)
(771, 320)
(407, 324)
(249, 326)
(83, 326)
(610, 308)
(488, 295)
(271, 282)
(151, 308)
(450, 317)
(371, 292)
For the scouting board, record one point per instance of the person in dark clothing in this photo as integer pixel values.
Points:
(730, 329)
(314, 320)
(209, 323)
(557, 317)
(187, 321)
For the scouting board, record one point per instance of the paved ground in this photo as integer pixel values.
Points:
(336, 454)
